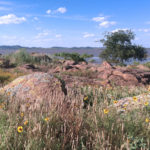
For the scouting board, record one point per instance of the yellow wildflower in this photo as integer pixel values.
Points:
(8, 93)
(115, 102)
(147, 120)
(27, 105)
(28, 99)
(109, 87)
(20, 129)
(146, 103)
(125, 105)
(85, 98)
(46, 119)
(22, 114)
(58, 83)
(26, 122)
(125, 108)
(106, 111)
(96, 86)
(2, 106)
(135, 98)
(103, 82)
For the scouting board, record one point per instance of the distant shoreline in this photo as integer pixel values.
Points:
(95, 51)
(89, 50)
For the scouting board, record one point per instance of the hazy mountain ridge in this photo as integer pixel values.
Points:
(4, 49)
(90, 50)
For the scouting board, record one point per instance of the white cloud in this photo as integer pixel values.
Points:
(144, 30)
(61, 10)
(42, 35)
(106, 24)
(87, 35)
(4, 9)
(103, 22)
(137, 39)
(11, 40)
(48, 11)
(11, 19)
(58, 35)
(98, 19)
(36, 18)
(116, 30)
(41, 41)
(6, 37)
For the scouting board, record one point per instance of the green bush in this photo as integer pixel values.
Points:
(136, 63)
(22, 57)
(73, 56)
(147, 64)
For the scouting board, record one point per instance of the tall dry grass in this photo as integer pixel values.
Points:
(79, 122)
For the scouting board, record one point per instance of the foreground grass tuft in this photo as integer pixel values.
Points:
(87, 120)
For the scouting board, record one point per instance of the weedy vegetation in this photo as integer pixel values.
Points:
(87, 119)
(23, 57)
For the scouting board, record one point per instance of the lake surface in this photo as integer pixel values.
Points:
(94, 51)
(97, 60)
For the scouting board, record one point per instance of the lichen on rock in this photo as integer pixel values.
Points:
(35, 88)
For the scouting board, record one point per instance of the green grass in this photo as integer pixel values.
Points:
(71, 126)
(147, 64)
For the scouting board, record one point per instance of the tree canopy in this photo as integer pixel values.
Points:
(119, 48)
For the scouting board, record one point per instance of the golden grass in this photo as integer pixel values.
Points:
(68, 125)
(7, 76)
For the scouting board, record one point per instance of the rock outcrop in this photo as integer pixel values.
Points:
(35, 89)
(91, 74)
(28, 68)
(121, 76)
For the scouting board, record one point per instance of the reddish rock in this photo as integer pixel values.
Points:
(81, 66)
(125, 76)
(35, 89)
(105, 74)
(106, 65)
(93, 69)
(28, 68)
(73, 69)
(122, 75)
(83, 63)
(56, 70)
(68, 63)
(142, 67)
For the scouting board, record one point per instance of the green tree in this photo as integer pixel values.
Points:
(119, 48)
(73, 56)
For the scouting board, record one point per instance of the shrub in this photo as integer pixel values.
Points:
(73, 56)
(22, 56)
(147, 64)
(6, 77)
(136, 63)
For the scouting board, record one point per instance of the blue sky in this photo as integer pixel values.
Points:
(71, 23)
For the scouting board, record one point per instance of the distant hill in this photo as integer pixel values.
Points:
(89, 50)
